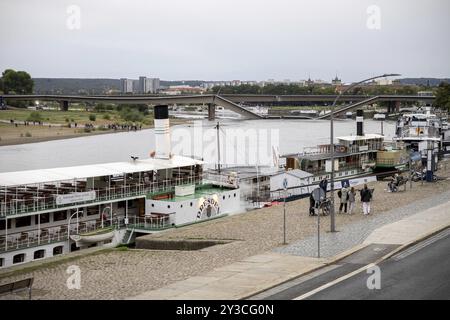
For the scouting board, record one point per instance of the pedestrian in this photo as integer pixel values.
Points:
(323, 184)
(351, 200)
(366, 197)
(312, 205)
(343, 195)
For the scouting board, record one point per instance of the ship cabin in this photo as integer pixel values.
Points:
(353, 156)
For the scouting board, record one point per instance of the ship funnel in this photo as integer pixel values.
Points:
(359, 123)
(162, 132)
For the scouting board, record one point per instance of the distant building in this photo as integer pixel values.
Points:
(336, 81)
(148, 85)
(175, 90)
(383, 82)
(126, 85)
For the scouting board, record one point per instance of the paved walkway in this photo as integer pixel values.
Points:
(353, 234)
(254, 274)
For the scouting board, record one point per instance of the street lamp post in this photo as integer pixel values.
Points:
(332, 213)
(68, 227)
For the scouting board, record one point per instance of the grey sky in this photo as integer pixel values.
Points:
(225, 39)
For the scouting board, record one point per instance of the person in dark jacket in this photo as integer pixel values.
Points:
(366, 197)
(323, 184)
(312, 204)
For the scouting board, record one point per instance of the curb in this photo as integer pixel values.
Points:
(355, 249)
(326, 263)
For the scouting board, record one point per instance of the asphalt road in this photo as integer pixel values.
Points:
(420, 272)
(424, 275)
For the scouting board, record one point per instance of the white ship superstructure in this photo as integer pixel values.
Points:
(48, 212)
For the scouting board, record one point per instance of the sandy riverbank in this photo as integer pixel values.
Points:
(12, 135)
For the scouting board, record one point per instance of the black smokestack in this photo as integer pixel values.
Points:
(161, 112)
(359, 123)
(162, 132)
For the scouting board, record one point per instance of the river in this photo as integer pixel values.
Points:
(289, 136)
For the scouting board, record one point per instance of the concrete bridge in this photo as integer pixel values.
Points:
(210, 100)
(229, 101)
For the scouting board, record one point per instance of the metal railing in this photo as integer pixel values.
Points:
(42, 203)
(39, 237)
(151, 222)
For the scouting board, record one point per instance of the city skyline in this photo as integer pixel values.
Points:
(177, 40)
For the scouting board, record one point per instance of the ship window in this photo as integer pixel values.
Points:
(18, 258)
(60, 215)
(2, 224)
(39, 254)
(57, 250)
(153, 205)
(168, 207)
(92, 210)
(191, 204)
(1, 262)
(229, 196)
(235, 195)
(223, 197)
(121, 204)
(23, 222)
(44, 218)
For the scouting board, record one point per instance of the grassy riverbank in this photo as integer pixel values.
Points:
(56, 125)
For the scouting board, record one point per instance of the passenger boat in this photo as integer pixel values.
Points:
(48, 212)
(356, 159)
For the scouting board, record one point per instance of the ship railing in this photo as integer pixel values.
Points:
(43, 236)
(151, 222)
(341, 149)
(44, 202)
(222, 179)
(22, 241)
(341, 168)
(419, 131)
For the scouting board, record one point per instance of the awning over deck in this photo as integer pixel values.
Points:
(96, 170)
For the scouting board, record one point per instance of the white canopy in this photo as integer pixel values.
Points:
(96, 170)
(367, 136)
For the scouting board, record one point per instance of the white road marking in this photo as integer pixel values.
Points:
(421, 245)
(407, 252)
(332, 283)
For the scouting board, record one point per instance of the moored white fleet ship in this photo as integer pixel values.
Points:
(48, 212)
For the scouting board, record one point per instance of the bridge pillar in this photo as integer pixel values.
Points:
(64, 105)
(390, 107)
(211, 111)
(397, 106)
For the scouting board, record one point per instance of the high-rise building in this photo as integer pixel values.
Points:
(126, 85)
(148, 85)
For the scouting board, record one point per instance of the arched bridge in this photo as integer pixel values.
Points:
(229, 101)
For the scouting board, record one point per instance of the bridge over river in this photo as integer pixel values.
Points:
(233, 102)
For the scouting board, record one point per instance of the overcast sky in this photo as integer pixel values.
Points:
(226, 39)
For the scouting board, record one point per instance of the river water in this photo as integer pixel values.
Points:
(290, 136)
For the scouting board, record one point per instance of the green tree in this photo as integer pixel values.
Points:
(35, 116)
(443, 96)
(131, 114)
(19, 82)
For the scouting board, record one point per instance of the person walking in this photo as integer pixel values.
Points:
(366, 197)
(343, 195)
(351, 200)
